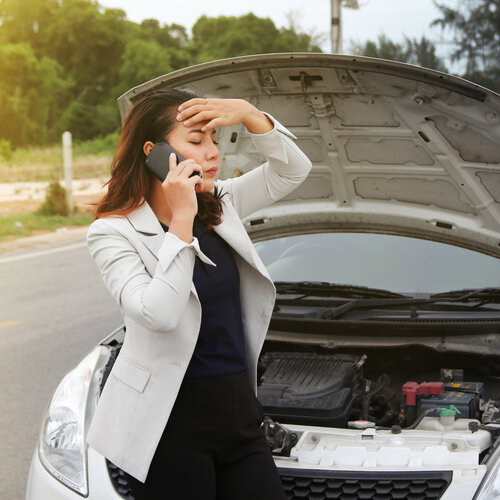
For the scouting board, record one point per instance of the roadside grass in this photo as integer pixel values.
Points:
(22, 225)
(91, 159)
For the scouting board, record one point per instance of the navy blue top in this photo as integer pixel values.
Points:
(220, 349)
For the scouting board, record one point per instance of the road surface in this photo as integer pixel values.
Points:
(53, 309)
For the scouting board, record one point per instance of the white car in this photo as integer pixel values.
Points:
(380, 375)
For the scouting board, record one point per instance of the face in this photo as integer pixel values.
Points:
(200, 146)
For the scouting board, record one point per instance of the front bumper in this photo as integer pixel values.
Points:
(43, 486)
(297, 480)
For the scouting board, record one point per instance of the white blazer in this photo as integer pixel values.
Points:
(149, 273)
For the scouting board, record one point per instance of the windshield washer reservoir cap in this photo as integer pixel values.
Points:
(452, 410)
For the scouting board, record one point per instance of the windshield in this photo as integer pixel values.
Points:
(396, 263)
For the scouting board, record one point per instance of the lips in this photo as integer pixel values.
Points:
(212, 171)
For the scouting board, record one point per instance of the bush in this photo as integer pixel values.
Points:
(55, 201)
(5, 149)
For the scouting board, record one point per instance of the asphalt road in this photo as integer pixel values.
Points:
(53, 309)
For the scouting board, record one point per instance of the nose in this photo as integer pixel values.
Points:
(212, 151)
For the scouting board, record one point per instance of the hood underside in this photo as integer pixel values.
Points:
(395, 148)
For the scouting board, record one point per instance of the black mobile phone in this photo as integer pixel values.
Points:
(158, 160)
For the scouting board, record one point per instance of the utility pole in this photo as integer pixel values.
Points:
(336, 26)
(336, 22)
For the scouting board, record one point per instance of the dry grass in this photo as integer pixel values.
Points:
(91, 159)
(84, 167)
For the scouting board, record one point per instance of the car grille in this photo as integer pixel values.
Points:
(350, 485)
(119, 480)
(301, 484)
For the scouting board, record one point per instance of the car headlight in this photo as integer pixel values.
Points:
(490, 486)
(62, 444)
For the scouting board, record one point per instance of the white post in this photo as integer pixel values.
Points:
(68, 169)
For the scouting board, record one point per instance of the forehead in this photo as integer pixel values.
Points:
(181, 130)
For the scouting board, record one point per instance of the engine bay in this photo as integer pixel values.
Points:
(441, 408)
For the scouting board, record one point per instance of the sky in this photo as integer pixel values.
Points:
(394, 18)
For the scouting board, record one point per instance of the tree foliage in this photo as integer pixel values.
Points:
(412, 51)
(29, 90)
(65, 62)
(221, 37)
(476, 35)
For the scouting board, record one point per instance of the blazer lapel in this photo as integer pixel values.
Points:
(230, 229)
(149, 229)
(233, 232)
(148, 226)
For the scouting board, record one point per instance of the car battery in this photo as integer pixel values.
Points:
(466, 402)
(309, 388)
(472, 387)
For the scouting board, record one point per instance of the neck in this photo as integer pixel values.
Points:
(158, 203)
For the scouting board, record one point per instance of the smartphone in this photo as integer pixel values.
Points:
(158, 160)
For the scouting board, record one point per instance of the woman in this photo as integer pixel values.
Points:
(178, 412)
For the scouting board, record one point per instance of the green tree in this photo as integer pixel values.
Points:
(419, 52)
(423, 53)
(173, 38)
(141, 61)
(64, 62)
(28, 94)
(86, 42)
(475, 28)
(383, 49)
(221, 37)
(25, 21)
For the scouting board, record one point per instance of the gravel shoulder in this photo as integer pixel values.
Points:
(26, 197)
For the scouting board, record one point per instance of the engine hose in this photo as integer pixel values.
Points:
(366, 398)
(412, 426)
(384, 421)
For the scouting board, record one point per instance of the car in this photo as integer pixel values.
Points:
(380, 373)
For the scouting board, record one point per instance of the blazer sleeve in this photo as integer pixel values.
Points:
(286, 167)
(155, 302)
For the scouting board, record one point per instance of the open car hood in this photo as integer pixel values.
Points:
(395, 148)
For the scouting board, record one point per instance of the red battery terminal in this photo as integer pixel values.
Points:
(411, 389)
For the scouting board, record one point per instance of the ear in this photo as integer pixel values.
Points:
(148, 146)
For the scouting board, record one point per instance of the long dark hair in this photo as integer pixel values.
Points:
(151, 118)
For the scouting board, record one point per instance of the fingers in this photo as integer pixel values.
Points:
(172, 161)
(184, 175)
(190, 108)
(197, 114)
(216, 122)
(192, 102)
(184, 168)
(197, 182)
(198, 110)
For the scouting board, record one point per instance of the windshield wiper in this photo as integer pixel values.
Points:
(325, 289)
(489, 295)
(390, 299)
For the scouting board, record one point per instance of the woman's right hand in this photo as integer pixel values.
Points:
(180, 192)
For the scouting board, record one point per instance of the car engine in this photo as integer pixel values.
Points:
(321, 409)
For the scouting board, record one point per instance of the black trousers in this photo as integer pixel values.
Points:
(213, 447)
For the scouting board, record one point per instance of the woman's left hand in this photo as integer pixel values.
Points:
(222, 113)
